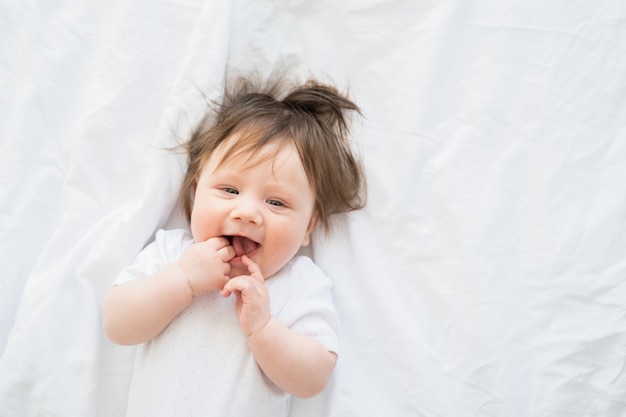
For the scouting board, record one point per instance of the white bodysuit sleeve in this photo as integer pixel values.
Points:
(168, 246)
(308, 305)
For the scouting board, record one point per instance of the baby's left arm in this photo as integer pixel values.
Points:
(295, 362)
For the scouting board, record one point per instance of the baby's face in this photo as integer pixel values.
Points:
(265, 209)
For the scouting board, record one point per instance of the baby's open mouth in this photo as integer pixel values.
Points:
(242, 245)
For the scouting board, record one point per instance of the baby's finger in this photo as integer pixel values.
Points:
(253, 268)
(225, 292)
(226, 253)
(237, 284)
(218, 242)
(246, 285)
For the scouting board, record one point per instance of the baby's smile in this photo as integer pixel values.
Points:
(243, 245)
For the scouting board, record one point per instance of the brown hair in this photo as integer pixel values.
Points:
(312, 116)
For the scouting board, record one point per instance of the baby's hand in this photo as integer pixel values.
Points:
(253, 303)
(206, 264)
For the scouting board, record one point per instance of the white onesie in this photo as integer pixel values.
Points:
(200, 365)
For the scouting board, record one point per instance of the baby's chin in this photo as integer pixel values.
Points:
(237, 269)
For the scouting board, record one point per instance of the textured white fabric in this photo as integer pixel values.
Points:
(485, 278)
(200, 365)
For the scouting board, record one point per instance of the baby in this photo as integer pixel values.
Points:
(265, 168)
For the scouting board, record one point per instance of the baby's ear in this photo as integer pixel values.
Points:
(309, 229)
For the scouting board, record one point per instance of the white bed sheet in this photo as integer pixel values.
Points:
(484, 278)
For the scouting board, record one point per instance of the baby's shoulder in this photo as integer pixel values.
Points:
(303, 266)
(171, 243)
(300, 272)
(172, 235)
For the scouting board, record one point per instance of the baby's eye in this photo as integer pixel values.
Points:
(275, 203)
(230, 190)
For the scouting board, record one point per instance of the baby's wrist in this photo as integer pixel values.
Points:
(182, 276)
(260, 332)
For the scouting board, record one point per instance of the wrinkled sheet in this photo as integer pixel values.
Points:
(486, 276)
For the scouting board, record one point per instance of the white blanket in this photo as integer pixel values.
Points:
(486, 277)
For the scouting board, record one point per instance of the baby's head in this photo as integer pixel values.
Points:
(313, 117)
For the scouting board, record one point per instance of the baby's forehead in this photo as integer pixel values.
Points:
(242, 152)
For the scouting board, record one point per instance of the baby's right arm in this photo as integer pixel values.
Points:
(137, 311)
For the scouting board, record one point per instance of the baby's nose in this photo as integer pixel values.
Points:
(247, 211)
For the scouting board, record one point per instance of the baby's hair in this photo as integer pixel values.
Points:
(313, 116)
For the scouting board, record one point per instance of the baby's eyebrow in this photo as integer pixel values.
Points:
(226, 173)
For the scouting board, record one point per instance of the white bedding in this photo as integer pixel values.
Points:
(486, 277)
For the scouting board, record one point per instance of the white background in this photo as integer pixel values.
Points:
(486, 277)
